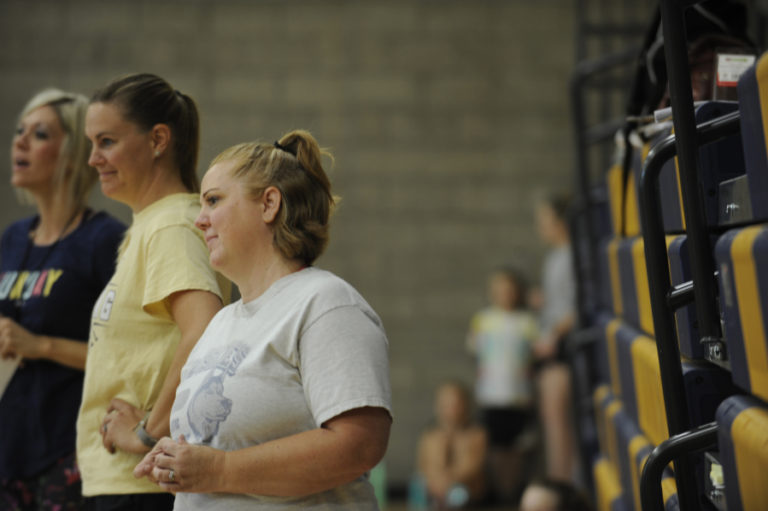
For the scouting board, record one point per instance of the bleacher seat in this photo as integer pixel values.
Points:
(608, 490)
(753, 109)
(636, 381)
(629, 292)
(639, 449)
(669, 491)
(601, 397)
(742, 260)
(718, 162)
(625, 450)
(629, 282)
(743, 442)
(680, 272)
(623, 195)
(629, 409)
(607, 409)
(630, 442)
(627, 274)
(604, 274)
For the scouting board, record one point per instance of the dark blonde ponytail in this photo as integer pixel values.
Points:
(308, 153)
(293, 165)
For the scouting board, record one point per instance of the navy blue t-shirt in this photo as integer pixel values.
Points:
(49, 290)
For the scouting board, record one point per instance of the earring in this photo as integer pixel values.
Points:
(157, 154)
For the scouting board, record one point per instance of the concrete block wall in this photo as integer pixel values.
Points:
(446, 119)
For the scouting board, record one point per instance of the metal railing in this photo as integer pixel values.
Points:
(665, 298)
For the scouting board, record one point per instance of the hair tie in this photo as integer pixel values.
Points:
(281, 147)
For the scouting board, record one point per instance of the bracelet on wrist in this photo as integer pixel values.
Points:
(141, 432)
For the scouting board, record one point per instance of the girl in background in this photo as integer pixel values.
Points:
(558, 316)
(502, 337)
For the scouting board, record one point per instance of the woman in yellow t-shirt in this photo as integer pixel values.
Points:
(162, 295)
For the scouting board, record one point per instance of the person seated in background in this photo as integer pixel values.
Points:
(452, 454)
(502, 336)
(550, 495)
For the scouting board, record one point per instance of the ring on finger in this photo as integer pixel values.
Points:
(171, 475)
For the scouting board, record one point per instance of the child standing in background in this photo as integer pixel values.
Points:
(501, 336)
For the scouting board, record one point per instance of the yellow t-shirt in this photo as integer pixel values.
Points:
(133, 338)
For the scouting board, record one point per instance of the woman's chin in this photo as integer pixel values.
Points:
(108, 190)
(113, 192)
(217, 262)
(19, 180)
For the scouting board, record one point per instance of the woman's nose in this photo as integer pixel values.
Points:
(201, 222)
(20, 140)
(94, 158)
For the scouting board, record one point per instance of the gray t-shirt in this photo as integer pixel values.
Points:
(559, 288)
(307, 350)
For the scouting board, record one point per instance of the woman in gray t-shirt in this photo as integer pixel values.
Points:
(284, 403)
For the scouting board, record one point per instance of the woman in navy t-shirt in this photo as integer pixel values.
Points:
(52, 268)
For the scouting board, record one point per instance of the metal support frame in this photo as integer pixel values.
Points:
(699, 439)
(703, 264)
(585, 137)
(578, 346)
(665, 298)
(680, 295)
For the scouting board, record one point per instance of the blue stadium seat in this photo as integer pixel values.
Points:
(631, 444)
(718, 162)
(685, 317)
(636, 381)
(669, 491)
(629, 282)
(743, 443)
(753, 108)
(742, 260)
(608, 492)
(623, 195)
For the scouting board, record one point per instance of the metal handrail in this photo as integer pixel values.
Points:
(664, 297)
(703, 263)
(699, 439)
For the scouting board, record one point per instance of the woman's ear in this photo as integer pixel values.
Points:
(270, 201)
(160, 139)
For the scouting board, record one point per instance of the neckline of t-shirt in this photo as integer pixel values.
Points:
(273, 290)
(507, 312)
(87, 214)
(161, 202)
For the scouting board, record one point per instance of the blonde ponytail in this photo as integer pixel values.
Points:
(293, 165)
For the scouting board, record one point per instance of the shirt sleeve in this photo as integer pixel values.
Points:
(176, 260)
(472, 333)
(344, 364)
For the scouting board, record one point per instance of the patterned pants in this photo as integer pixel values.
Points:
(57, 488)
